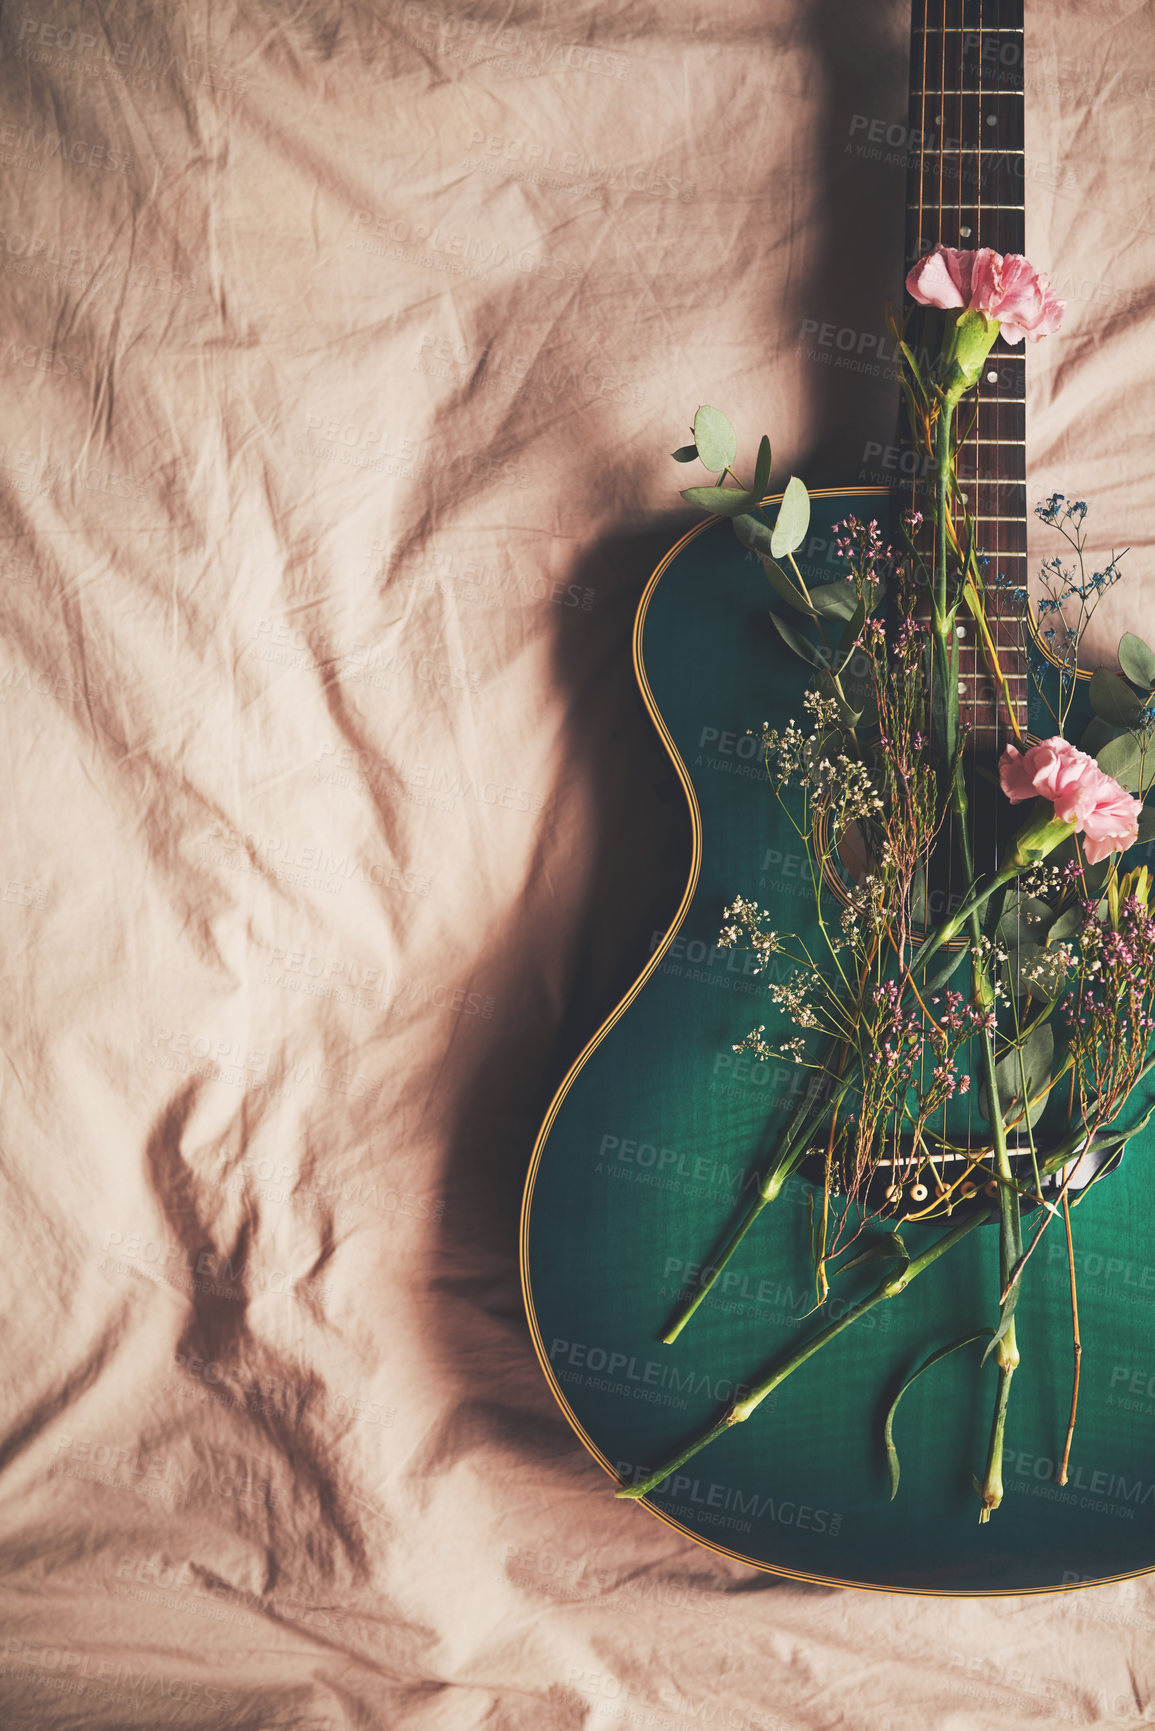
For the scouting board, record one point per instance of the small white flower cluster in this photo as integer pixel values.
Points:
(846, 788)
(1041, 881)
(1050, 967)
(747, 929)
(788, 750)
(841, 785)
(864, 910)
(791, 995)
(823, 710)
(794, 1049)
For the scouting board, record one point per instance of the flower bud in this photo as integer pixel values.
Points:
(966, 349)
(1039, 836)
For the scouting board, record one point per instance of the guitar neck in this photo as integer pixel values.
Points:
(965, 189)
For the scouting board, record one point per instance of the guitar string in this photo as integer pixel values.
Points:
(1008, 633)
(991, 534)
(943, 135)
(919, 249)
(967, 652)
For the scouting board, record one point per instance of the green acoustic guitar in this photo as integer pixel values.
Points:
(658, 1136)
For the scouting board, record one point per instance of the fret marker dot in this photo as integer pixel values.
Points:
(960, 632)
(962, 690)
(992, 119)
(965, 233)
(992, 377)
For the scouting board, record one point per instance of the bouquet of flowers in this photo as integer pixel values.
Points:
(1034, 997)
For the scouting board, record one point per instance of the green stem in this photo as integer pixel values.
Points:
(767, 1191)
(1010, 1226)
(991, 1489)
(788, 1156)
(942, 621)
(1010, 1229)
(1010, 1254)
(740, 1410)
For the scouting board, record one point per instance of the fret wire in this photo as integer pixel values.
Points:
(959, 147)
(942, 80)
(982, 207)
(979, 237)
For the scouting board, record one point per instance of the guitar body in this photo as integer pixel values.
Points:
(646, 1160)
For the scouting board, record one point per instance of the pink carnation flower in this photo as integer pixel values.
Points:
(1080, 792)
(1002, 286)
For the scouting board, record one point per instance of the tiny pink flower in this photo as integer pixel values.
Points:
(1080, 792)
(1005, 287)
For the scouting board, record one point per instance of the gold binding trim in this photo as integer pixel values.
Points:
(567, 1082)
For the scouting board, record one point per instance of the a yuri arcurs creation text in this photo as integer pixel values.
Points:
(985, 1067)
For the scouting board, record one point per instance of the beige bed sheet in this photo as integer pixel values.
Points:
(344, 346)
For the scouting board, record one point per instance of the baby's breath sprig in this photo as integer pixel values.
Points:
(1069, 601)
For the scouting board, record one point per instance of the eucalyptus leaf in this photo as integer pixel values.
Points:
(685, 453)
(888, 1428)
(948, 970)
(1113, 700)
(793, 519)
(835, 600)
(1146, 825)
(782, 585)
(1096, 735)
(753, 533)
(723, 501)
(1122, 759)
(715, 438)
(1033, 1059)
(762, 469)
(1024, 919)
(1137, 661)
(1066, 926)
(795, 641)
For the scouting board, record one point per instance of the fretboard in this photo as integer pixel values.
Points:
(965, 189)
